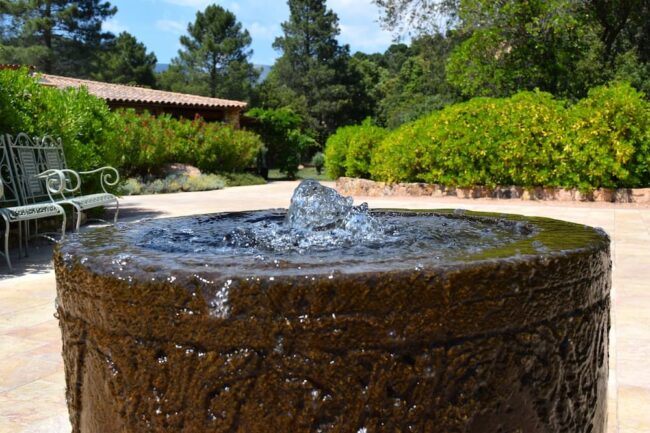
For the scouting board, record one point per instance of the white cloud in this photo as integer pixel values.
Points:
(171, 26)
(114, 26)
(354, 8)
(260, 31)
(197, 4)
(365, 37)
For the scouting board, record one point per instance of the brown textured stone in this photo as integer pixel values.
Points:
(493, 346)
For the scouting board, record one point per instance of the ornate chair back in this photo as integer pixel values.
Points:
(31, 157)
(9, 189)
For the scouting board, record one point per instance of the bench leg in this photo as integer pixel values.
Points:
(7, 242)
(63, 227)
(78, 223)
(117, 211)
(20, 239)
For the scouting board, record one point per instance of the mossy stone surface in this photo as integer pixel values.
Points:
(509, 341)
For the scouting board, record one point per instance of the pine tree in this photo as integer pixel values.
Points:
(56, 36)
(214, 60)
(126, 61)
(314, 66)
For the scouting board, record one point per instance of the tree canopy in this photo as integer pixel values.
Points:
(126, 61)
(313, 70)
(561, 46)
(214, 60)
(57, 36)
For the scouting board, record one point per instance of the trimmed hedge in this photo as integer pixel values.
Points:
(348, 151)
(529, 139)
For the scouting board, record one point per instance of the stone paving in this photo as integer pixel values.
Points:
(31, 370)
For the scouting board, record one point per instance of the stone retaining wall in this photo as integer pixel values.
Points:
(369, 188)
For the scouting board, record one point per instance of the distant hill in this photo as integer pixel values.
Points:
(161, 67)
(264, 70)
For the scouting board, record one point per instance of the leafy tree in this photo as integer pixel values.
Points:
(315, 66)
(425, 16)
(369, 73)
(420, 85)
(281, 133)
(214, 60)
(541, 44)
(126, 61)
(56, 36)
(561, 46)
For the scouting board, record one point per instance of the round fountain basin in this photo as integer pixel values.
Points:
(165, 330)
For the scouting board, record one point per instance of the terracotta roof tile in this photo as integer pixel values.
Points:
(124, 93)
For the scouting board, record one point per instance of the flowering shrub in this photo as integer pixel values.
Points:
(146, 143)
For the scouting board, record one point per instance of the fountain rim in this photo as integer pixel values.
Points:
(600, 240)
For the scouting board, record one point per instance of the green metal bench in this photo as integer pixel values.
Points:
(36, 159)
(13, 210)
(37, 183)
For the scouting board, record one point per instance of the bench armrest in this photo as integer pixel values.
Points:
(60, 182)
(109, 176)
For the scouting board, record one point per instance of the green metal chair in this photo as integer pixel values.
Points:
(13, 209)
(42, 158)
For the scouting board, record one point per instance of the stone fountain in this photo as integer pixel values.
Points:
(329, 317)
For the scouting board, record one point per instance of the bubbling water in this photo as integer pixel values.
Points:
(318, 218)
(321, 225)
(321, 232)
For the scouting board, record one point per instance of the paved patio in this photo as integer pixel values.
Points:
(32, 397)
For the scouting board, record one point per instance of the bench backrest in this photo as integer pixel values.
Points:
(30, 157)
(10, 188)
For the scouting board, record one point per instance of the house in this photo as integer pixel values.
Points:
(154, 101)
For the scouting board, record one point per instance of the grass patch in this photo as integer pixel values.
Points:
(305, 173)
(243, 179)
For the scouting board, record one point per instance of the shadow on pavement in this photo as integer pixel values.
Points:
(39, 258)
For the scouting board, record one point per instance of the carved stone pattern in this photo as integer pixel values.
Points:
(558, 368)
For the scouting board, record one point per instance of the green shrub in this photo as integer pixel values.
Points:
(146, 143)
(530, 139)
(348, 152)
(611, 142)
(336, 150)
(283, 137)
(155, 187)
(318, 161)
(204, 182)
(131, 186)
(243, 179)
(82, 121)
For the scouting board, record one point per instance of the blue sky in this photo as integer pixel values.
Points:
(159, 23)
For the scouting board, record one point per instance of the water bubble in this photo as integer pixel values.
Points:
(219, 304)
(279, 345)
